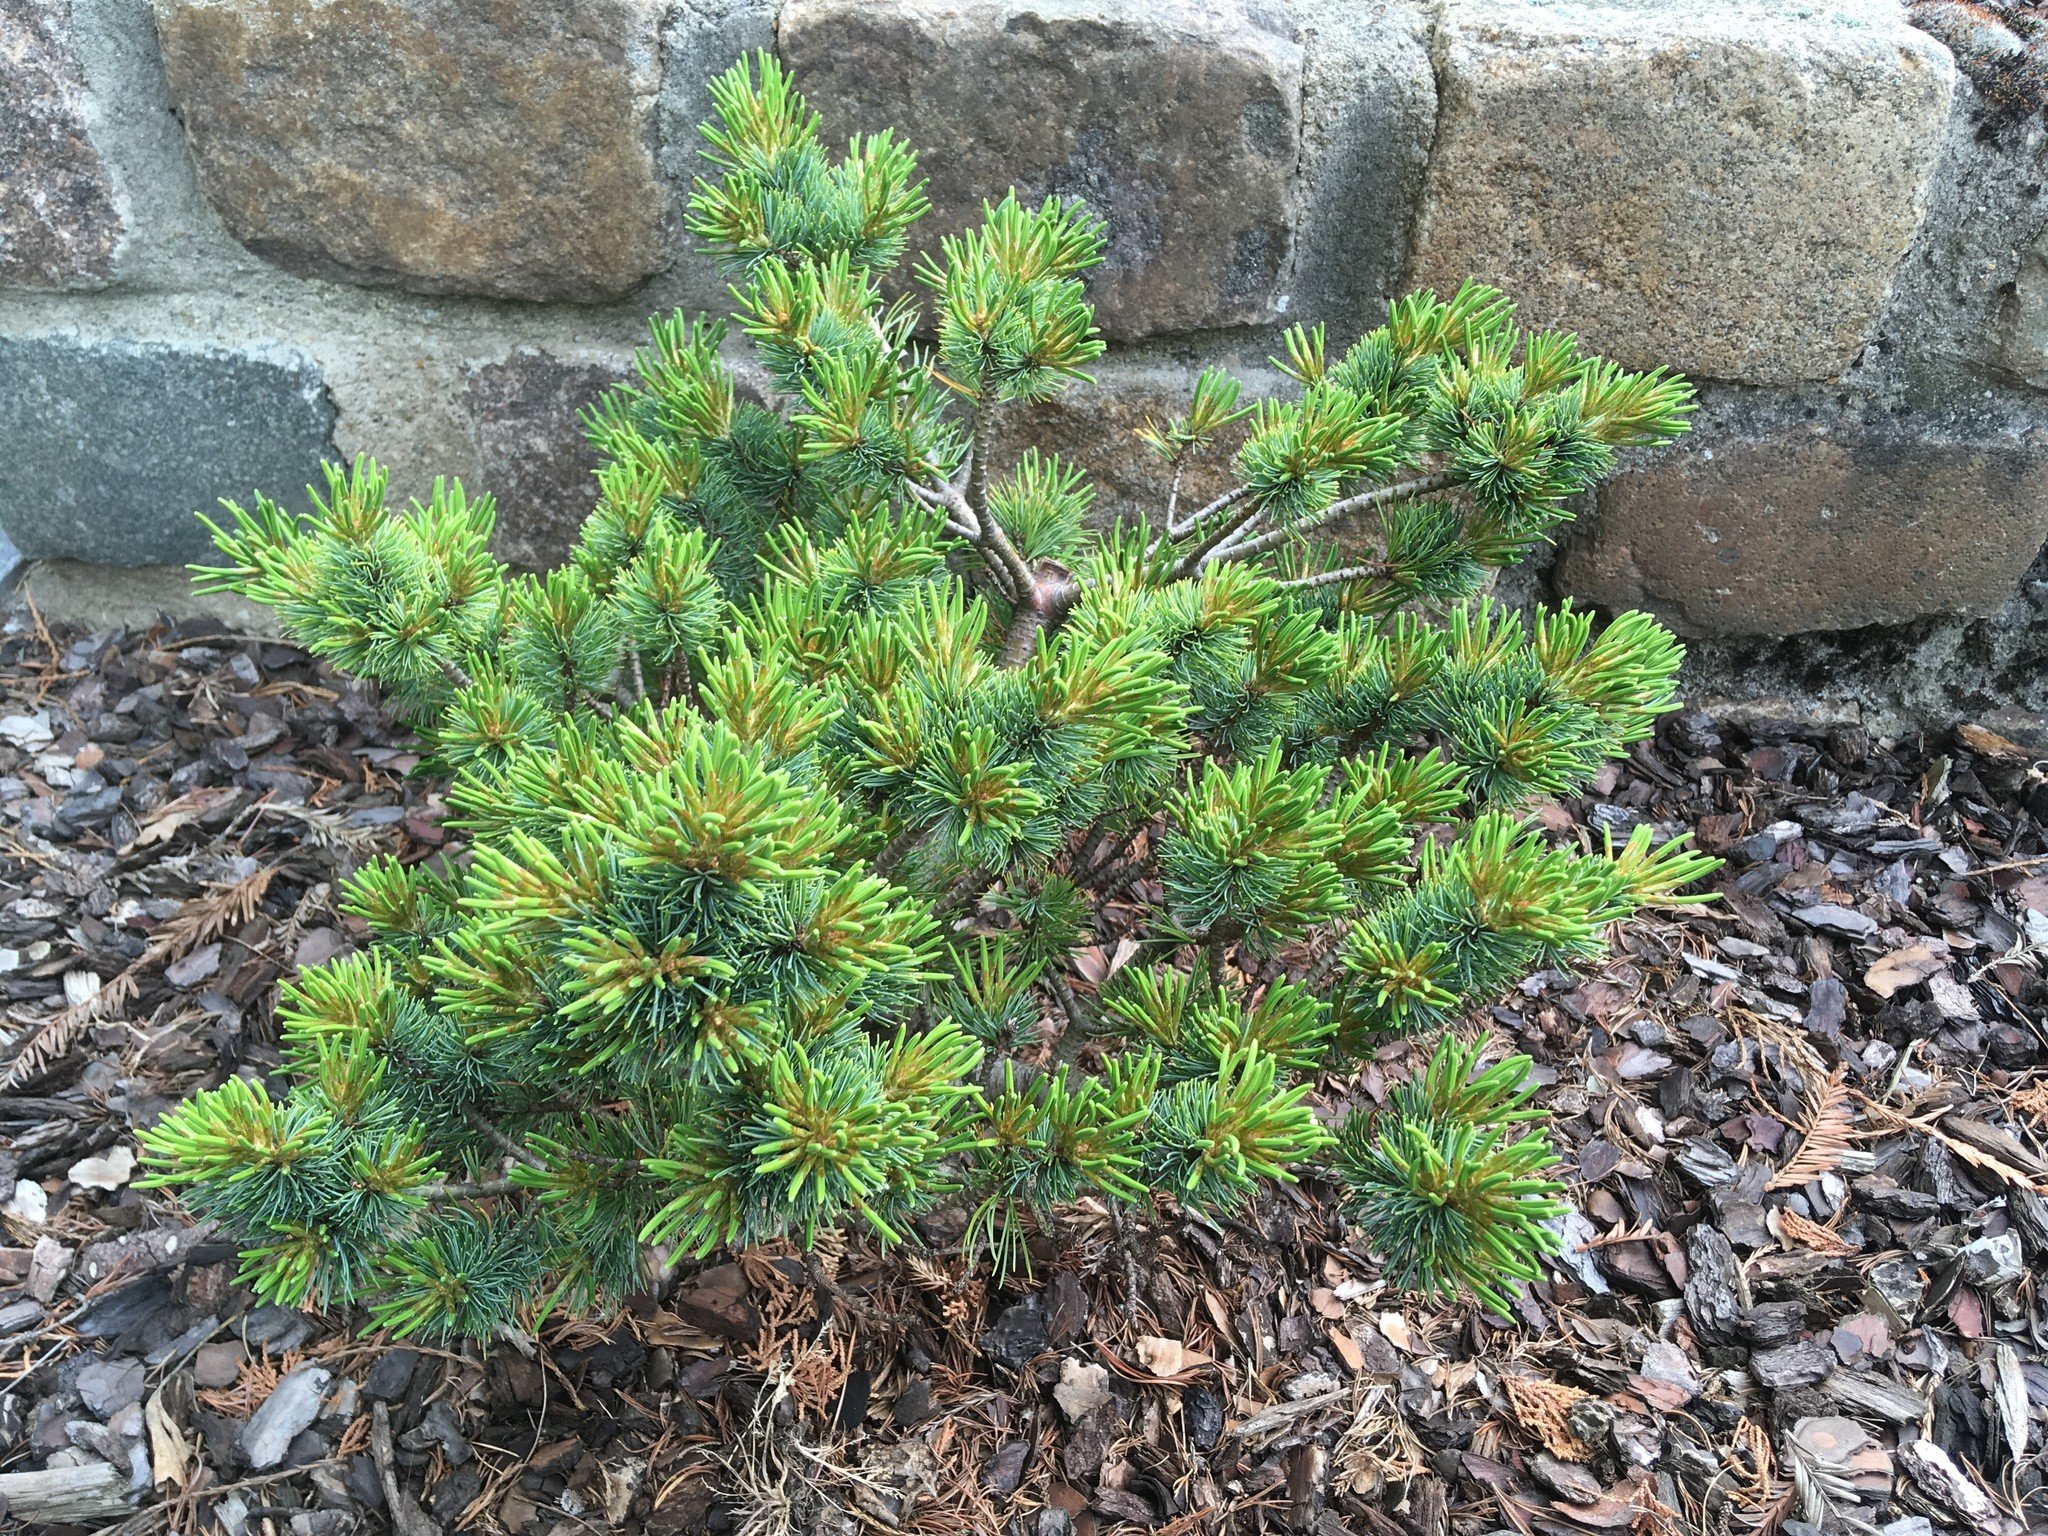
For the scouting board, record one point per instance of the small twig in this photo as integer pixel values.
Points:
(897, 849)
(855, 1306)
(453, 671)
(2002, 868)
(146, 1519)
(1359, 572)
(1173, 492)
(436, 1193)
(499, 1139)
(407, 1518)
(1428, 485)
(1194, 519)
(1127, 1248)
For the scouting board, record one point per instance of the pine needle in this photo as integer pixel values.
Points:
(1541, 1407)
(1824, 1138)
(1804, 1232)
(200, 921)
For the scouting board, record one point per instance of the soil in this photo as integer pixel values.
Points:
(1805, 1129)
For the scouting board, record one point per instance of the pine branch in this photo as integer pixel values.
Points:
(1049, 597)
(1195, 519)
(435, 1194)
(1077, 1033)
(897, 849)
(499, 1139)
(1226, 530)
(984, 445)
(1428, 485)
(1361, 572)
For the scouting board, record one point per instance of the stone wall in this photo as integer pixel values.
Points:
(238, 235)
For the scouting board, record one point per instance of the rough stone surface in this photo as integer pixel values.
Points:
(107, 448)
(1771, 520)
(61, 221)
(1727, 188)
(1178, 122)
(1894, 678)
(524, 411)
(447, 146)
(1970, 303)
(1096, 426)
(1368, 118)
(2023, 336)
(700, 40)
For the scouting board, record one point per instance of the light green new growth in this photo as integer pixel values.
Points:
(793, 796)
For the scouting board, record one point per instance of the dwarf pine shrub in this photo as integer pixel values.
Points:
(792, 797)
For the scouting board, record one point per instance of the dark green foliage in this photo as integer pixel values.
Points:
(1446, 1186)
(801, 807)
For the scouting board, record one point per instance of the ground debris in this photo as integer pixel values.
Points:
(1805, 1129)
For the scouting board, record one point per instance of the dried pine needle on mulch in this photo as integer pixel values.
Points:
(1806, 1133)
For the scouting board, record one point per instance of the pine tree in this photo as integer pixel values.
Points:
(793, 794)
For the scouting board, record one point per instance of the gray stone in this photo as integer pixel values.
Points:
(1780, 516)
(700, 40)
(1971, 299)
(61, 217)
(218, 1365)
(1096, 426)
(291, 1407)
(1178, 122)
(108, 448)
(524, 413)
(101, 597)
(2023, 336)
(447, 146)
(1726, 188)
(1368, 117)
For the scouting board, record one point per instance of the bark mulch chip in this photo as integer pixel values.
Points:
(1805, 1131)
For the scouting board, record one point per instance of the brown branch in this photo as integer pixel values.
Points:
(1216, 949)
(977, 468)
(897, 849)
(1077, 1034)
(985, 534)
(1048, 597)
(966, 891)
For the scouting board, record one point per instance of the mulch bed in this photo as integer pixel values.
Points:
(1806, 1131)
